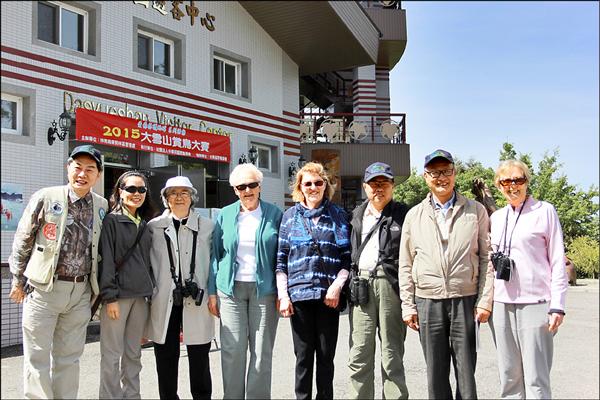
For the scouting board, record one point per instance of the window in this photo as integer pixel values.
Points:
(264, 157)
(12, 114)
(227, 76)
(155, 53)
(230, 74)
(63, 25)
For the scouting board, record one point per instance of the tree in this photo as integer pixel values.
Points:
(577, 209)
(585, 254)
(412, 191)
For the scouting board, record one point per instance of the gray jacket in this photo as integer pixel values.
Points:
(198, 323)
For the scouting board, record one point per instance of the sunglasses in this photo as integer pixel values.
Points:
(243, 187)
(133, 189)
(316, 183)
(516, 181)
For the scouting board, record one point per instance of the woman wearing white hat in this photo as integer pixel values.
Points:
(180, 257)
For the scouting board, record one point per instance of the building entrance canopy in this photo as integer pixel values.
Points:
(113, 130)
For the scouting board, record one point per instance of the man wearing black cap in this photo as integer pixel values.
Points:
(54, 264)
(376, 228)
(445, 283)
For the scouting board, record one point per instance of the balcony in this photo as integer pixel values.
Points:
(355, 140)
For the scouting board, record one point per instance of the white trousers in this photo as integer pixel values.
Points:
(54, 332)
(524, 348)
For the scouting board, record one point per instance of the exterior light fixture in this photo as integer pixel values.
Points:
(64, 123)
(253, 154)
(292, 170)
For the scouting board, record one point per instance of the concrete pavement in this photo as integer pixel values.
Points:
(574, 374)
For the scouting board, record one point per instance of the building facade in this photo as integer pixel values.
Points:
(235, 70)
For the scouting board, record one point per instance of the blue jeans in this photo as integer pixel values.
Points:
(248, 323)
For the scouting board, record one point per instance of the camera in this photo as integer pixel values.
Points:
(359, 290)
(503, 265)
(190, 289)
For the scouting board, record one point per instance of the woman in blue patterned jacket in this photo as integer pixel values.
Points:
(313, 263)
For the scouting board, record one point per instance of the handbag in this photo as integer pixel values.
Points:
(118, 265)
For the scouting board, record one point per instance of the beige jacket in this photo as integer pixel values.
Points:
(424, 271)
(36, 246)
(198, 323)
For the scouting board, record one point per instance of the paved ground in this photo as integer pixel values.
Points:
(574, 374)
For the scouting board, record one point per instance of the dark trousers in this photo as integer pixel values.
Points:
(314, 330)
(447, 331)
(167, 362)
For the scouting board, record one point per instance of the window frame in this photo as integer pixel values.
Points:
(238, 75)
(269, 150)
(60, 6)
(243, 73)
(19, 111)
(162, 39)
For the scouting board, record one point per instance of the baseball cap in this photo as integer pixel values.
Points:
(90, 151)
(378, 169)
(439, 153)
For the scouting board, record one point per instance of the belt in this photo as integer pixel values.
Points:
(80, 278)
(378, 272)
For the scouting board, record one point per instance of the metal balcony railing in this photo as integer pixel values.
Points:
(352, 127)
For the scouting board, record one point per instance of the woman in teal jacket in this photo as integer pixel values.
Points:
(242, 289)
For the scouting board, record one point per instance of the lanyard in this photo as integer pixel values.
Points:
(513, 229)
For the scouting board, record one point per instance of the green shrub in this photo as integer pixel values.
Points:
(585, 254)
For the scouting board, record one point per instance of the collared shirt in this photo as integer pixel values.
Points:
(370, 254)
(136, 220)
(443, 217)
(75, 258)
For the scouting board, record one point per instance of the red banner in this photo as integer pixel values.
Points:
(113, 130)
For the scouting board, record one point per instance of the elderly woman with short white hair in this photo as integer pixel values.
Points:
(180, 258)
(242, 288)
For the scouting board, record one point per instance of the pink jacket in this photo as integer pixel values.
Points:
(538, 252)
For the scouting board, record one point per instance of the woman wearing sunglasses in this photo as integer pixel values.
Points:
(242, 286)
(313, 263)
(126, 285)
(180, 255)
(530, 286)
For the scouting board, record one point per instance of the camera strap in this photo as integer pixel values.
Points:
(193, 262)
(363, 244)
(513, 229)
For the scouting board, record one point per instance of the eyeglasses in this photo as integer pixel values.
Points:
(183, 195)
(438, 173)
(379, 184)
(316, 183)
(243, 186)
(132, 189)
(515, 181)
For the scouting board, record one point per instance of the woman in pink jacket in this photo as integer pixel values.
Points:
(530, 286)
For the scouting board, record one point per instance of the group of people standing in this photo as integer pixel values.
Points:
(438, 268)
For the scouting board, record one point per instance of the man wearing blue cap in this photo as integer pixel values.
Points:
(376, 228)
(54, 264)
(445, 280)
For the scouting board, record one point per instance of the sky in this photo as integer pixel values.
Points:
(477, 74)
